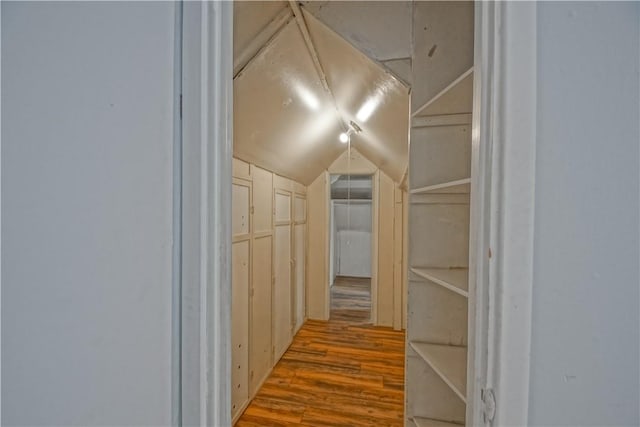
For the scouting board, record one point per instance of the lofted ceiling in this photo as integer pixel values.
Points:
(286, 121)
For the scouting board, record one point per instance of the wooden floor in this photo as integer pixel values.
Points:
(351, 299)
(335, 373)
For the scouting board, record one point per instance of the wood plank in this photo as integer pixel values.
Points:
(427, 422)
(454, 279)
(457, 186)
(449, 362)
(334, 374)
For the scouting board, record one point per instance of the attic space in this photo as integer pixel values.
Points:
(352, 132)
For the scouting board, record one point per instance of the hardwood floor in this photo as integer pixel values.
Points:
(334, 373)
(351, 299)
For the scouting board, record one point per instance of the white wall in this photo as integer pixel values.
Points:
(352, 238)
(87, 92)
(584, 361)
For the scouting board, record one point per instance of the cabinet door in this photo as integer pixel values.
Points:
(240, 257)
(282, 286)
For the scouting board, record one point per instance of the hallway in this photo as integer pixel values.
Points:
(334, 374)
(351, 299)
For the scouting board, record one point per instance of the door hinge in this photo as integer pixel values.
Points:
(253, 210)
(180, 106)
(488, 404)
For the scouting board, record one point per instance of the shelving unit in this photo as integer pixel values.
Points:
(438, 300)
(448, 361)
(454, 279)
(457, 186)
(426, 422)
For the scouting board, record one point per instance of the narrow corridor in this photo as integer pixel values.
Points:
(351, 299)
(334, 374)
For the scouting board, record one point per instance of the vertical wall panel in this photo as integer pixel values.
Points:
(317, 268)
(385, 251)
(282, 323)
(240, 209)
(240, 326)
(299, 276)
(262, 200)
(261, 313)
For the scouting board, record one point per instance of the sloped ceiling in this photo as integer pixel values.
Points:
(380, 29)
(286, 122)
(356, 81)
(283, 119)
(251, 17)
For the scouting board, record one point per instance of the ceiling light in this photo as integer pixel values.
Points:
(308, 97)
(367, 109)
(353, 128)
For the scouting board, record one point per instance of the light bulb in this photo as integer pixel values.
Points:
(344, 138)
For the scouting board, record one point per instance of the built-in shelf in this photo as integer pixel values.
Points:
(452, 97)
(427, 422)
(449, 362)
(454, 279)
(457, 186)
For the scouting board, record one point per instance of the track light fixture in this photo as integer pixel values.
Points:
(353, 129)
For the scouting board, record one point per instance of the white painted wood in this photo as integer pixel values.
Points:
(441, 120)
(300, 245)
(283, 207)
(449, 362)
(272, 112)
(447, 152)
(262, 200)
(456, 98)
(442, 47)
(240, 327)
(252, 48)
(318, 265)
(207, 155)
(381, 30)
(426, 422)
(436, 314)
(457, 186)
(447, 228)
(254, 20)
(398, 255)
(261, 330)
(241, 169)
(282, 291)
(454, 279)
(385, 287)
(352, 162)
(240, 211)
(430, 396)
(300, 209)
(388, 98)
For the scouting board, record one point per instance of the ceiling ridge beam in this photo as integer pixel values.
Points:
(297, 13)
(260, 41)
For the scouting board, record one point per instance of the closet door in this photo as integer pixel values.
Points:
(241, 229)
(299, 245)
(261, 356)
(282, 324)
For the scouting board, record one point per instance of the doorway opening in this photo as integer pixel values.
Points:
(351, 220)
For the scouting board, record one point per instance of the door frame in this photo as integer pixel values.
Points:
(502, 211)
(206, 178)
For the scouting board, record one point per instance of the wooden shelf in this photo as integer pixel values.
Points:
(457, 186)
(449, 362)
(427, 422)
(454, 279)
(451, 97)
